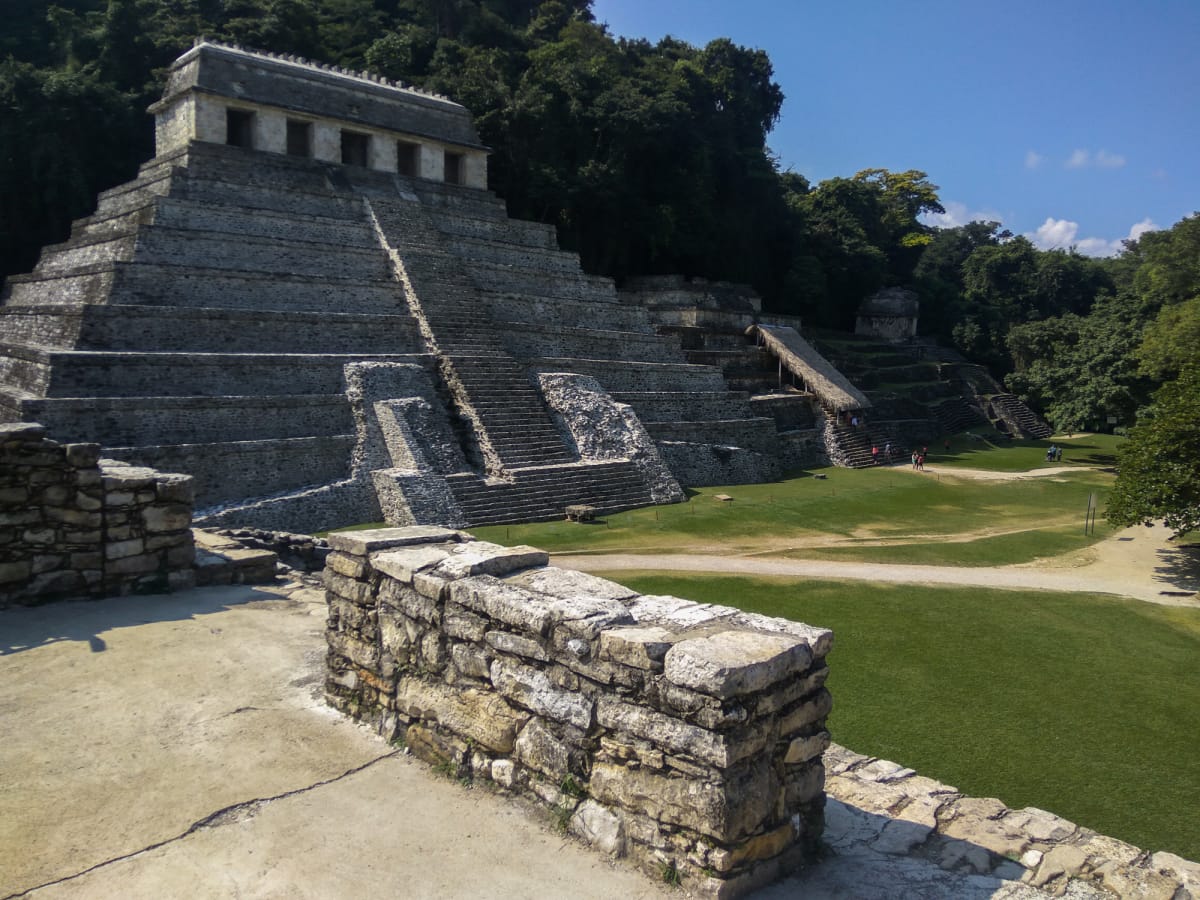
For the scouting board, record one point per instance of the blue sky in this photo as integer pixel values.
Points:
(1075, 123)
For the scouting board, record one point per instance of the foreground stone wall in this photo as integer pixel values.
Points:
(686, 736)
(74, 525)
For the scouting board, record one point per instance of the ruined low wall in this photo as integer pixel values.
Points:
(687, 736)
(72, 525)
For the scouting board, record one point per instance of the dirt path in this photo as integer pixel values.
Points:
(1137, 562)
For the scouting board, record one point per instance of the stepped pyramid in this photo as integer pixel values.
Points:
(309, 301)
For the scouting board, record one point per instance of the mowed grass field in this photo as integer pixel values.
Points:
(1085, 705)
(883, 514)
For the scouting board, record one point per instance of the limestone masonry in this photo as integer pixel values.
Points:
(686, 736)
(75, 525)
(309, 302)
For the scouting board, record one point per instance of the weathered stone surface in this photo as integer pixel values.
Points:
(538, 748)
(344, 564)
(808, 713)
(507, 642)
(715, 749)
(735, 662)
(361, 543)
(483, 558)
(803, 749)
(511, 605)
(408, 601)
(479, 715)
(676, 613)
(404, 564)
(599, 827)
(167, 517)
(568, 583)
(532, 689)
(470, 661)
(641, 647)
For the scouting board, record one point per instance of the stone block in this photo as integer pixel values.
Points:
(350, 647)
(43, 536)
(48, 563)
(819, 639)
(641, 647)
(15, 571)
(343, 564)
(538, 748)
(171, 488)
(355, 591)
(13, 496)
(22, 517)
(362, 543)
(678, 736)
(465, 626)
(807, 713)
(56, 495)
(409, 602)
(167, 517)
(483, 558)
(82, 456)
(599, 827)
(731, 663)
(804, 749)
(85, 501)
(21, 432)
(122, 549)
(470, 661)
(568, 583)
(478, 715)
(518, 645)
(78, 517)
(726, 812)
(132, 565)
(58, 583)
(676, 613)
(431, 586)
(533, 690)
(513, 606)
(404, 564)
(587, 617)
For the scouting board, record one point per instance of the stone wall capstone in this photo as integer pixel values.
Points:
(686, 736)
(74, 525)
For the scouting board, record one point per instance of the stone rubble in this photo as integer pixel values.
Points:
(879, 807)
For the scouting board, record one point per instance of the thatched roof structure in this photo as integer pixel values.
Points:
(797, 355)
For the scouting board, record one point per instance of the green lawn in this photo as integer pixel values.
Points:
(1081, 704)
(854, 506)
(983, 449)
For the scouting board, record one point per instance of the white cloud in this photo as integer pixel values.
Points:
(1033, 159)
(1055, 233)
(1062, 234)
(957, 214)
(1079, 160)
(1085, 159)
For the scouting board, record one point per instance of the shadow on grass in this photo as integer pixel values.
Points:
(1179, 567)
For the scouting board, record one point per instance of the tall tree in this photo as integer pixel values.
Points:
(1159, 466)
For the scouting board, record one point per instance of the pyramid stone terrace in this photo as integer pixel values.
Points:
(309, 302)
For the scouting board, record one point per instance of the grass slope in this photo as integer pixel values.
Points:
(939, 517)
(1081, 704)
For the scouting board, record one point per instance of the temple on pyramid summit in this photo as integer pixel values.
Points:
(309, 301)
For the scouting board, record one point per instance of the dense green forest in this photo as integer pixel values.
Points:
(649, 158)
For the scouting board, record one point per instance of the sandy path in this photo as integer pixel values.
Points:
(1137, 562)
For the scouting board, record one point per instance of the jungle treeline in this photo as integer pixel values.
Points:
(648, 158)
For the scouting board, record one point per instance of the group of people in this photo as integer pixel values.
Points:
(1053, 453)
(918, 458)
